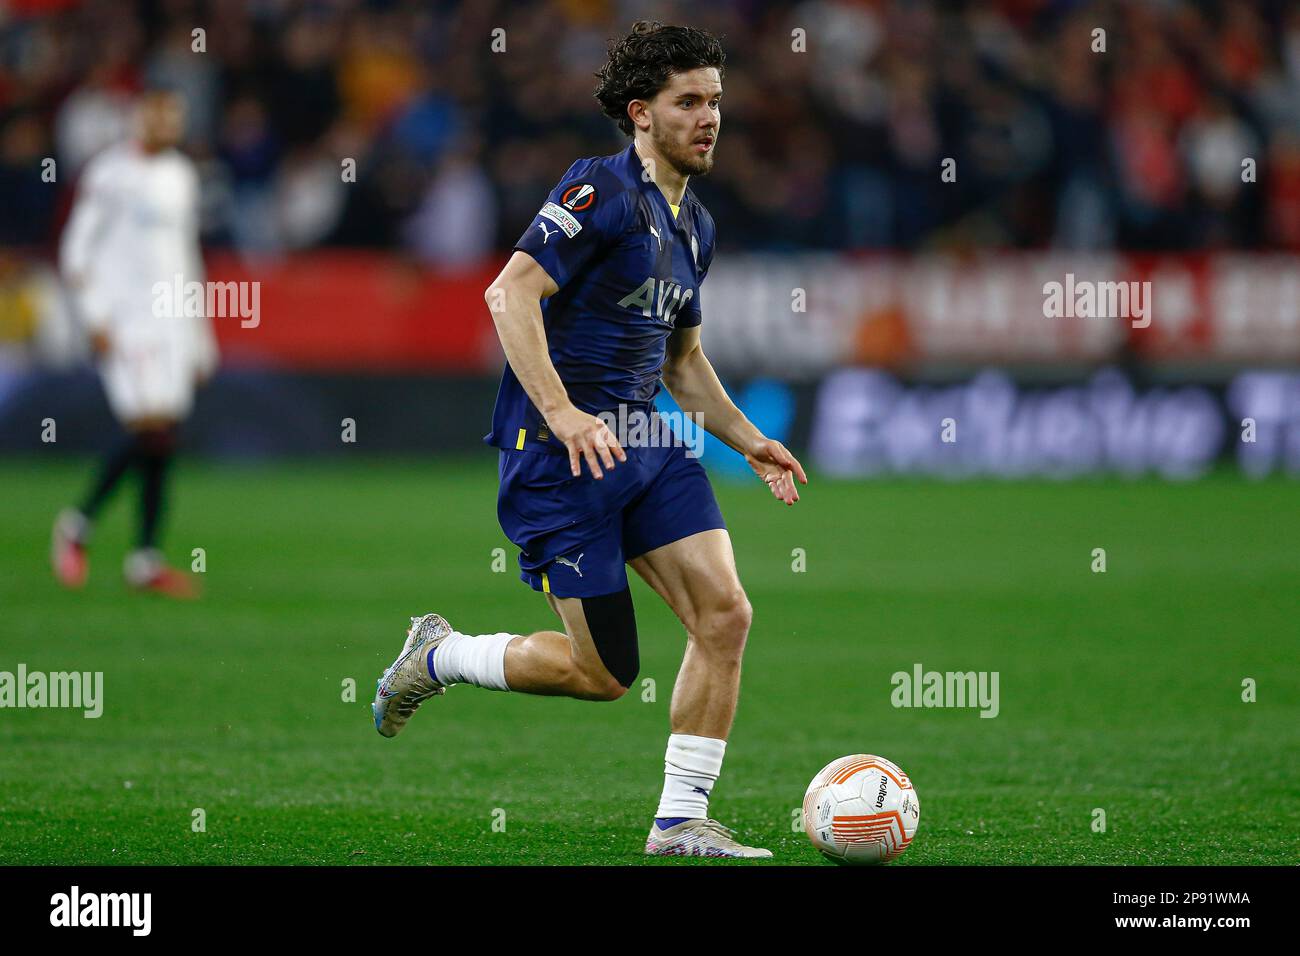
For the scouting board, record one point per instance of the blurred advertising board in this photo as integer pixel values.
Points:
(867, 423)
(858, 359)
(797, 317)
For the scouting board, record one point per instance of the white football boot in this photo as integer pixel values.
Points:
(406, 684)
(699, 838)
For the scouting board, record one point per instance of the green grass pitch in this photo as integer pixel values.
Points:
(1120, 691)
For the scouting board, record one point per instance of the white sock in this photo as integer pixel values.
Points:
(691, 768)
(478, 659)
(75, 525)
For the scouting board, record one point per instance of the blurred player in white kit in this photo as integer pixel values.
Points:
(135, 225)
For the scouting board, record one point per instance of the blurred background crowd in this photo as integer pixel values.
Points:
(456, 140)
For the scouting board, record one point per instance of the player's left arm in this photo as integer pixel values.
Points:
(205, 353)
(690, 379)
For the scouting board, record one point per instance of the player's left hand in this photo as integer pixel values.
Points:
(778, 468)
(100, 343)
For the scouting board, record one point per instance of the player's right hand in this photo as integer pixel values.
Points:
(586, 436)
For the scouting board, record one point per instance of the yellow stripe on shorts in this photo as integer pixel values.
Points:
(546, 584)
(519, 444)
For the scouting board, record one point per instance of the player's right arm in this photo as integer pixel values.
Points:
(515, 300)
(78, 247)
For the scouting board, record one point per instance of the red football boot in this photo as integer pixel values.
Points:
(68, 550)
(147, 571)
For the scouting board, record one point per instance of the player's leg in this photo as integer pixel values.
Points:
(595, 658)
(113, 467)
(151, 387)
(679, 545)
(697, 577)
(73, 526)
(570, 534)
(571, 550)
(147, 444)
(157, 448)
(123, 372)
(598, 631)
(145, 567)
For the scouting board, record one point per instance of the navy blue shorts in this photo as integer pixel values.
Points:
(575, 534)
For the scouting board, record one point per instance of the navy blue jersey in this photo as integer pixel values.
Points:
(628, 272)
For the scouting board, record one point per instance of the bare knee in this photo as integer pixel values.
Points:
(722, 627)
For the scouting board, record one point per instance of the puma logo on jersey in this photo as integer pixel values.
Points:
(546, 233)
(658, 299)
(572, 564)
(655, 232)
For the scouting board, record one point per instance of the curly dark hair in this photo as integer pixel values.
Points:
(641, 63)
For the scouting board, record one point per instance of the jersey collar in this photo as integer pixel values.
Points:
(678, 222)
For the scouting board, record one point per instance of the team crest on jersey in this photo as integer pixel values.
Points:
(579, 198)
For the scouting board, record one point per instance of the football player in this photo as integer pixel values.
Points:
(133, 231)
(600, 303)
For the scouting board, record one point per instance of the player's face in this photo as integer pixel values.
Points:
(684, 120)
(162, 120)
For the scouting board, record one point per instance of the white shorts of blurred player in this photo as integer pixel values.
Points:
(149, 371)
